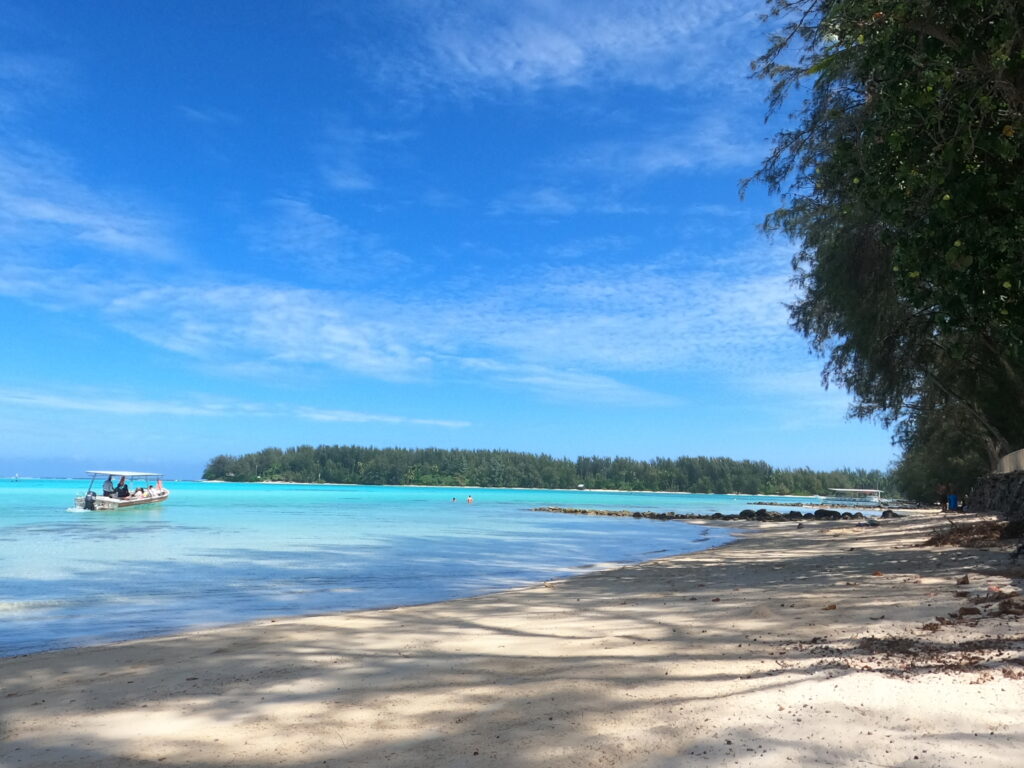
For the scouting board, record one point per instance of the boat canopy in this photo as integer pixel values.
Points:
(121, 473)
(872, 494)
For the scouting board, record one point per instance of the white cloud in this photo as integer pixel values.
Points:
(295, 227)
(347, 150)
(708, 143)
(562, 43)
(579, 329)
(719, 211)
(344, 174)
(128, 406)
(117, 406)
(547, 201)
(552, 201)
(320, 414)
(41, 204)
(28, 80)
(278, 325)
(208, 115)
(319, 243)
(725, 314)
(568, 385)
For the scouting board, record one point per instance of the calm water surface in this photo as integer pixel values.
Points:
(218, 553)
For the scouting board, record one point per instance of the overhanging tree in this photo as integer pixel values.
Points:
(902, 180)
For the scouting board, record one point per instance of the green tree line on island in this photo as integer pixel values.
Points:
(510, 469)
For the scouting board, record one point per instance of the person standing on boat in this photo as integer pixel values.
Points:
(122, 491)
(108, 486)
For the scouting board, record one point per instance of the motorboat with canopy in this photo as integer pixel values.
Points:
(149, 490)
(857, 495)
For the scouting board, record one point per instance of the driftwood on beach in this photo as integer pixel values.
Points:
(760, 515)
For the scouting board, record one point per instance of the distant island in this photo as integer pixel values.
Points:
(509, 469)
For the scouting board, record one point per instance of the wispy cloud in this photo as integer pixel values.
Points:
(120, 407)
(346, 151)
(320, 414)
(562, 43)
(818, 407)
(568, 385)
(629, 318)
(42, 204)
(547, 201)
(284, 326)
(582, 329)
(707, 143)
(207, 115)
(319, 243)
(129, 406)
(719, 211)
(28, 80)
(550, 201)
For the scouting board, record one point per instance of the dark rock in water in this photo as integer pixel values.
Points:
(858, 515)
(888, 514)
(795, 515)
(827, 514)
(847, 516)
(765, 516)
(717, 516)
(748, 514)
(637, 515)
(808, 515)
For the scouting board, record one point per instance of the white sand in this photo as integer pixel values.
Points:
(728, 657)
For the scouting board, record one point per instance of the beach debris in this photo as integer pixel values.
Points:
(829, 607)
(965, 579)
(877, 573)
(983, 533)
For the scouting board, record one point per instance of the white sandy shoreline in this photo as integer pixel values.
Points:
(745, 654)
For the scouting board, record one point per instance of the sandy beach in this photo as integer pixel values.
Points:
(833, 643)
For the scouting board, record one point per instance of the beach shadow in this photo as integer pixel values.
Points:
(623, 668)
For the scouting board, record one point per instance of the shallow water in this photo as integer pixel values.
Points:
(219, 553)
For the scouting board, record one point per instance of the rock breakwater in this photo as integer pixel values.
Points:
(760, 515)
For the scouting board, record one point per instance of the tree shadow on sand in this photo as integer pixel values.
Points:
(621, 668)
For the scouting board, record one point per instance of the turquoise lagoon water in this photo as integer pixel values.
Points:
(219, 553)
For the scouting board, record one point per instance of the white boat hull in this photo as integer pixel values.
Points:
(108, 503)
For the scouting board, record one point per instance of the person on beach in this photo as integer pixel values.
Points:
(108, 486)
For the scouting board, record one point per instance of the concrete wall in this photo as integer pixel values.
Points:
(1012, 462)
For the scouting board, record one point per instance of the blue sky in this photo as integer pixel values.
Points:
(516, 225)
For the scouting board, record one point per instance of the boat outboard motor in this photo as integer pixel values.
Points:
(90, 500)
